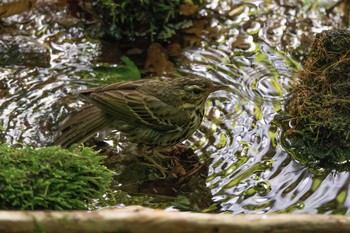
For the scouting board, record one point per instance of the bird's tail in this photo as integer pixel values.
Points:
(82, 125)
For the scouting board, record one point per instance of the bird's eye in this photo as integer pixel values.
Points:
(196, 91)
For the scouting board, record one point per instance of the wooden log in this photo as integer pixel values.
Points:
(144, 220)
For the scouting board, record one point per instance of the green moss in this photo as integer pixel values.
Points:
(157, 20)
(320, 106)
(51, 178)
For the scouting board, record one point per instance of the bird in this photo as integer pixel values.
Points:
(155, 113)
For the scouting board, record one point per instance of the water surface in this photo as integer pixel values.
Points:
(257, 49)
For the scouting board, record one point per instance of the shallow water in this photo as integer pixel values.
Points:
(250, 171)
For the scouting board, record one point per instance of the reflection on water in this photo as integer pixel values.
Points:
(250, 171)
(253, 173)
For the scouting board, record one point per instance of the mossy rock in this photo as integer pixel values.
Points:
(151, 20)
(320, 106)
(51, 178)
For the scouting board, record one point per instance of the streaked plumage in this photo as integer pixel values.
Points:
(149, 112)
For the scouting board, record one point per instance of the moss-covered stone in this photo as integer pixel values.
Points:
(320, 107)
(51, 178)
(155, 20)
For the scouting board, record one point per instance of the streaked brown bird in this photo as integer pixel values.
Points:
(150, 112)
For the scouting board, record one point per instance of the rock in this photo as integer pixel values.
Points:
(23, 51)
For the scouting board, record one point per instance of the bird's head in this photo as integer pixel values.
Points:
(192, 92)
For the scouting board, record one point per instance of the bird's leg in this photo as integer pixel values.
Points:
(148, 154)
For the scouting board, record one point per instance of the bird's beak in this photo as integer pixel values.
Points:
(217, 87)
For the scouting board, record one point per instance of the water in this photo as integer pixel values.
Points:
(256, 49)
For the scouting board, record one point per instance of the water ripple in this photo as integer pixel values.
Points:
(250, 171)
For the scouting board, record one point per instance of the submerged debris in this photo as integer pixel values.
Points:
(176, 177)
(320, 107)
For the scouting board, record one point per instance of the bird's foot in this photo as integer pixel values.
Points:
(153, 163)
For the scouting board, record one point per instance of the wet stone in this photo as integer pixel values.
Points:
(23, 50)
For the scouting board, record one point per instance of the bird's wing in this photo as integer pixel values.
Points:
(115, 86)
(133, 106)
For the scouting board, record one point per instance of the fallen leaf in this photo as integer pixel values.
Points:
(157, 60)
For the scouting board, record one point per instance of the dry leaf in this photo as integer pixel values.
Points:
(188, 9)
(174, 49)
(13, 8)
(157, 60)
